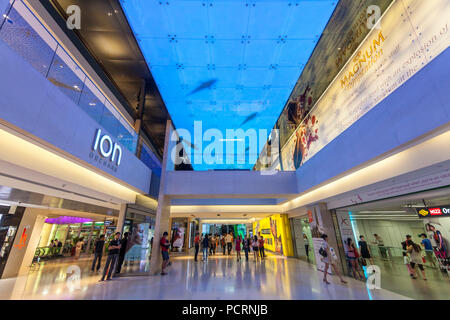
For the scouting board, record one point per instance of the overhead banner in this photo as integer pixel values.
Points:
(346, 29)
(433, 212)
(410, 35)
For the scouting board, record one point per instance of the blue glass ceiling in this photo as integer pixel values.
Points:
(251, 52)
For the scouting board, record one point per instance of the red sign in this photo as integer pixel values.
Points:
(310, 216)
(23, 239)
(435, 211)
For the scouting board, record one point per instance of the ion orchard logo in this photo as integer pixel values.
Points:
(238, 144)
(110, 153)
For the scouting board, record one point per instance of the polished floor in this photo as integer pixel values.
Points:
(395, 277)
(222, 277)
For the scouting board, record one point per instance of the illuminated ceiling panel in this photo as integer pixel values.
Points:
(255, 50)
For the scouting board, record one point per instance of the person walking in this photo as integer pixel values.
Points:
(229, 241)
(426, 243)
(196, 245)
(364, 249)
(305, 240)
(223, 243)
(379, 241)
(404, 243)
(352, 256)
(205, 247)
(416, 258)
(238, 248)
(113, 254)
(407, 262)
(255, 246)
(213, 244)
(261, 246)
(164, 244)
(216, 244)
(98, 252)
(79, 247)
(122, 251)
(246, 246)
(327, 260)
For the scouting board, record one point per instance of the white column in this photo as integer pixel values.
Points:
(163, 210)
(121, 218)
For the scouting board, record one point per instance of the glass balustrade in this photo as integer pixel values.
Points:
(23, 32)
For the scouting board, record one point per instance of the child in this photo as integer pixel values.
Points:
(406, 261)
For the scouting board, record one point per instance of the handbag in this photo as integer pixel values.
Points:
(363, 262)
(323, 252)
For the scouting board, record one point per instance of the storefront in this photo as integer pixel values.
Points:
(302, 239)
(276, 231)
(385, 225)
(60, 234)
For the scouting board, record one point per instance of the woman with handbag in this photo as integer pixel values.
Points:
(352, 256)
(414, 251)
(327, 260)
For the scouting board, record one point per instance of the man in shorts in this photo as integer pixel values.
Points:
(164, 244)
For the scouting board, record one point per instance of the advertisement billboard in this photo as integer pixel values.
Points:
(409, 35)
(276, 233)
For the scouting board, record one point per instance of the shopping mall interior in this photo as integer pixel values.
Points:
(224, 150)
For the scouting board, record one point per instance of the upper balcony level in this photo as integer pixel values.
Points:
(47, 95)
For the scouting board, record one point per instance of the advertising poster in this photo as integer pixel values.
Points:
(410, 35)
(275, 231)
(438, 231)
(138, 243)
(178, 238)
(343, 34)
(316, 231)
(346, 228)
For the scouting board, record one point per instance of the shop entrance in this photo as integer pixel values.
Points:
(72, 236)
(399, 231)
(303, 244)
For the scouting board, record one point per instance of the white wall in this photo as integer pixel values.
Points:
(230, 183)
(392, 232)
(3, 5)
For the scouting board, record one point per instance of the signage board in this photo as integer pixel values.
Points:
(433, 212)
